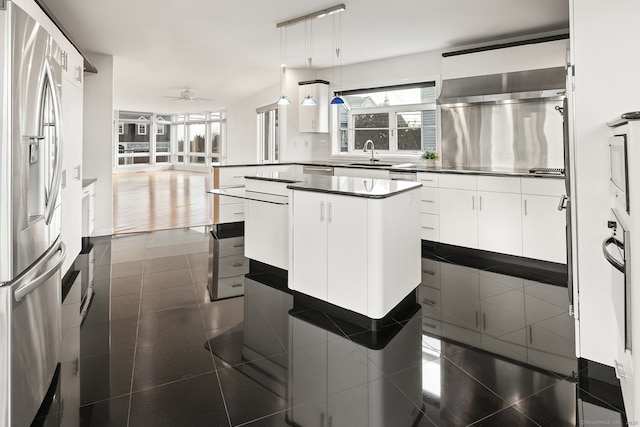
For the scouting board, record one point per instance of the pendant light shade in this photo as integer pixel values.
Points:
(308, 100)
(283, 100)
(336, 100)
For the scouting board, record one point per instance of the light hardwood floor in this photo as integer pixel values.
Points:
(160, 200)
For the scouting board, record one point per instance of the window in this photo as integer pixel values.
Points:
(267, 118)
(398, 119)
(163, 139)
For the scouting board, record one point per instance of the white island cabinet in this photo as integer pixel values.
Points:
(355, 242)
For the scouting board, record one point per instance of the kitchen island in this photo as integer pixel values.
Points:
(355, 246)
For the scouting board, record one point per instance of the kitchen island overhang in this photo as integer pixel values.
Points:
(355, 246)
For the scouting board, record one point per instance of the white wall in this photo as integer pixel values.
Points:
(605, 87)
(98, 139)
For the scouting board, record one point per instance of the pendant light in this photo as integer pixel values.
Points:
(283, 100)
(337, 45)
(308, 33)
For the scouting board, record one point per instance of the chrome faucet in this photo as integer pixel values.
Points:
(372, 148)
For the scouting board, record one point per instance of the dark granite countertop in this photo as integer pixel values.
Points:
(413, 168)
(357, 187)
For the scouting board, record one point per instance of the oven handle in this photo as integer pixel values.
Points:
(614, 262)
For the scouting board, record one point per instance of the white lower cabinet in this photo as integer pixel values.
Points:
(266, 231)
(543, 225)
(499, 221)
(458, 217)
(328, 265)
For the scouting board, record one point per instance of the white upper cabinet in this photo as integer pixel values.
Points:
(72, 65)
(314, 118)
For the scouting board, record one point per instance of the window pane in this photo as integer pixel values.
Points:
(134, 116)
(163, 140)
(373, 126)
(197, 117)
(180, 137)
(196, 159)
(180, 159)
(196, 138)
(162, 159)
(409, 125)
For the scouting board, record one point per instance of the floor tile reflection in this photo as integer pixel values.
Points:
(484, 347)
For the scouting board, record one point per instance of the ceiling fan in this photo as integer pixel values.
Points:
(187, 95)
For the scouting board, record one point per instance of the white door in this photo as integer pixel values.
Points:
(543, 229)
(309, 248)
(499, 220)
(347, 252)
(458, 217)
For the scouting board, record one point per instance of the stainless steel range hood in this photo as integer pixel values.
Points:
(520, 85)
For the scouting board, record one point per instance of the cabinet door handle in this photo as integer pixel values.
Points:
(477, 323)
(484, 321)
(525, 207)
(429, 201)
(321, 211)
(330, 216)
(239, 245)
(473, 203)
(430, 273)
(429, 301)
(429, 325)
(530, 334)
(480, 203)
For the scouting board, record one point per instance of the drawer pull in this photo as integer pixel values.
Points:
(429, 301)
(237, 264)
(429, 201)
(429, 325)
(430, 273)
(428, 228)
(238, 176)
(238, 213)
(426, 180)
(236, 285)
(240, 245)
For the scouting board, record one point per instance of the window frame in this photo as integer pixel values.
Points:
(393, 111)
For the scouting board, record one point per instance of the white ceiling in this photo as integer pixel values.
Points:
(229, 50)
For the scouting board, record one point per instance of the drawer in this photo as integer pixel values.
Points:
(430, 273)
(429, 200)
(231, 176)
(500, 184)
(233, 265)
(229, 213)
(429, 227)
(268, 187)
(543, 186)
(230, 286)
(226, 200)
(274, 168)
(231, 246)
(458, 181)
(428, 179)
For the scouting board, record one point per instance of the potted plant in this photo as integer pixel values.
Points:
(430, 156)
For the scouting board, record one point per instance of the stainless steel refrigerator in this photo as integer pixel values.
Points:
(31, 251)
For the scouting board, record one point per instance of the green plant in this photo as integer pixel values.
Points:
(430, 155)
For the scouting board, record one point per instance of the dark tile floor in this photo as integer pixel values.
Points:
(483, 349)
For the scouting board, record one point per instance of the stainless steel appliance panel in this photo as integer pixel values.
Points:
(31, 335)
(513, 135)
(34, 145)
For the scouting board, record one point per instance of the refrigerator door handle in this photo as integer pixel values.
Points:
(57, 165)
(605, 251)
(33, 284)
